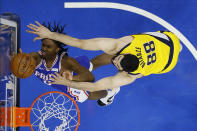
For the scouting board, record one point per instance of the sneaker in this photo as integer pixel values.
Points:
(109, 98)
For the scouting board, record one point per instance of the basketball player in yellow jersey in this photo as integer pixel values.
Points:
(134, 56)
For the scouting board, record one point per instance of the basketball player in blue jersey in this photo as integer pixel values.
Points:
(53, 58)
(134, 56)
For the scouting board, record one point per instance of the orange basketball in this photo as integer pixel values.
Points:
(22, 65)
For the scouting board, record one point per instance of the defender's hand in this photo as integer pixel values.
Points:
(59, 79)
(68, 75)
(39, 30)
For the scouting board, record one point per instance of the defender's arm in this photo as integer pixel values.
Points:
(106, 44)
(120, 79)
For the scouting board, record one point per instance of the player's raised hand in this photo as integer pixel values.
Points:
(39, 30)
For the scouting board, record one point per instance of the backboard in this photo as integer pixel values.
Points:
(9, 84)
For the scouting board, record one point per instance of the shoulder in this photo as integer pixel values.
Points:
(68, 61)
(122, 42)
(127, 38)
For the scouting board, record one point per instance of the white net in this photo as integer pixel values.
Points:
(54, 112)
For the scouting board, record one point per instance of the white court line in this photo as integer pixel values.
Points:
(137, 11)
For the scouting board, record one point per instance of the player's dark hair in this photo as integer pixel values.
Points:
(59, 29)
(129, 63)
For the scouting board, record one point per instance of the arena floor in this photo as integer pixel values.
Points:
(164, 102)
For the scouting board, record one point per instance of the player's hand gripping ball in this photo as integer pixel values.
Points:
(22, 65)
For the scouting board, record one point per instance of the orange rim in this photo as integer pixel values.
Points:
(64, 95)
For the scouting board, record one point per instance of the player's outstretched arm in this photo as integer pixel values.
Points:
(120, 79)
(105, 44)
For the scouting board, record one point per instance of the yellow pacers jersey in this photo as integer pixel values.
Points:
(157, 53)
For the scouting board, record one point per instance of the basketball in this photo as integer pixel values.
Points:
(22, 65)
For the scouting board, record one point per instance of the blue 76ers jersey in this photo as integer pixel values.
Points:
(43, 73)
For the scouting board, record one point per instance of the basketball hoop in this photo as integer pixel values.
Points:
(52, 110)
